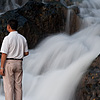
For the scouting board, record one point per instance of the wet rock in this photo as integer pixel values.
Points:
(2, 5)
(74, 21)
(89, 87)
(21, 2)
(36, 21)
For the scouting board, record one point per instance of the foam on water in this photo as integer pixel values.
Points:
(53, 70)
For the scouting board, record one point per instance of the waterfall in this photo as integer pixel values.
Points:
(68, 21)
(53, 70)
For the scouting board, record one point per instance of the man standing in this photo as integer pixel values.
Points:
(14, 48)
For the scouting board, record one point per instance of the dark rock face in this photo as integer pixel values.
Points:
(21, 2)
(36, 21)
(89, 87)
(74, 21)
(2, 5)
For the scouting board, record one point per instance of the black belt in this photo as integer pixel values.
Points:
(13, 59)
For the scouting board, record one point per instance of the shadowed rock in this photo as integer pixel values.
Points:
(38, 20)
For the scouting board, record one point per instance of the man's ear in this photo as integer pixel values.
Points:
(9, 27)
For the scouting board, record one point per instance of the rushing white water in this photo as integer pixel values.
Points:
(52, 71)
(68, 21)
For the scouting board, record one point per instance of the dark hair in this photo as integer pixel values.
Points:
(13, 24)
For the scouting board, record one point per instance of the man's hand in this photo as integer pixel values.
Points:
(26, 53)
(2, 72)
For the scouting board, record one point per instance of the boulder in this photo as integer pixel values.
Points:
(36, 21)
(89, 86)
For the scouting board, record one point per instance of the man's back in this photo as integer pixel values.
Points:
(15, 45)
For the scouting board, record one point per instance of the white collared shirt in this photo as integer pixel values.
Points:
(14, 45)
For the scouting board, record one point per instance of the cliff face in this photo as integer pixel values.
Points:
(89, 87)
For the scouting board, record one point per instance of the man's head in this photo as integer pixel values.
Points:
(12, 25)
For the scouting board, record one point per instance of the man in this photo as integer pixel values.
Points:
(14, 48)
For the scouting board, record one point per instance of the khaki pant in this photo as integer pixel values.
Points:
(13, 80)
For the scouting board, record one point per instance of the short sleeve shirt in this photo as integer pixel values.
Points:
(14, 45)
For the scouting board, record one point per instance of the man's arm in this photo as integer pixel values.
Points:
(3, 59)
(26, 53)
